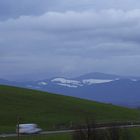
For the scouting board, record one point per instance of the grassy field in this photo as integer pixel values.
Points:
(52, 111)
(43, 137)
(134, 134)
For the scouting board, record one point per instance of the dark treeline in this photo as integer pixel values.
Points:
(91, 131)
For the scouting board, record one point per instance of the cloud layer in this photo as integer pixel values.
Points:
(17, 8)
(66, 41)
(62, 40)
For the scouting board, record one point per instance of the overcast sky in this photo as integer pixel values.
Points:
(46, 38)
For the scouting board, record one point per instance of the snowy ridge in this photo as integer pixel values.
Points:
(67, 82)
(76, 83)
(63, 80)
(72, 83)
(42, 83)
(95, 81)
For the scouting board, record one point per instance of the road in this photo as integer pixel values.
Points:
(67, 131)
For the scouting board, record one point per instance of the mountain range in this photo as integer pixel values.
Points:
(108, 88)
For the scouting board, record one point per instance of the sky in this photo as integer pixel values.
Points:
(40, 39)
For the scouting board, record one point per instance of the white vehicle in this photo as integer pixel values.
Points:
(28, 129)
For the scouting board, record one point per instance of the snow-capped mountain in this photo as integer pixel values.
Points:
(120, 90)
(76, 83)
(66, 82)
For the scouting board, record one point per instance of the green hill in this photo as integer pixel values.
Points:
(51, 110)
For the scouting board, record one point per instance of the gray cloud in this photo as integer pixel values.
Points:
(17, 8)
(70, 43)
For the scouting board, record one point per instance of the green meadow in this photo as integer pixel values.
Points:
(43, 137)
(134, 134)
(51, 111)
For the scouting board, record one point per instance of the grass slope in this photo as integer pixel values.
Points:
(48, 110)
(42, 137)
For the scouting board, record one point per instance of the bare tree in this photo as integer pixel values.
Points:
(90, 131)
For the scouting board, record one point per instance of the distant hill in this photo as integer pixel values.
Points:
(50, 110)
(98, 75)
(108, 88)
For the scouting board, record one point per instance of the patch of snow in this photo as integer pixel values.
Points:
(67, 81)
(75, 84)
(42, 83)
(95, 81)
(67, 85)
